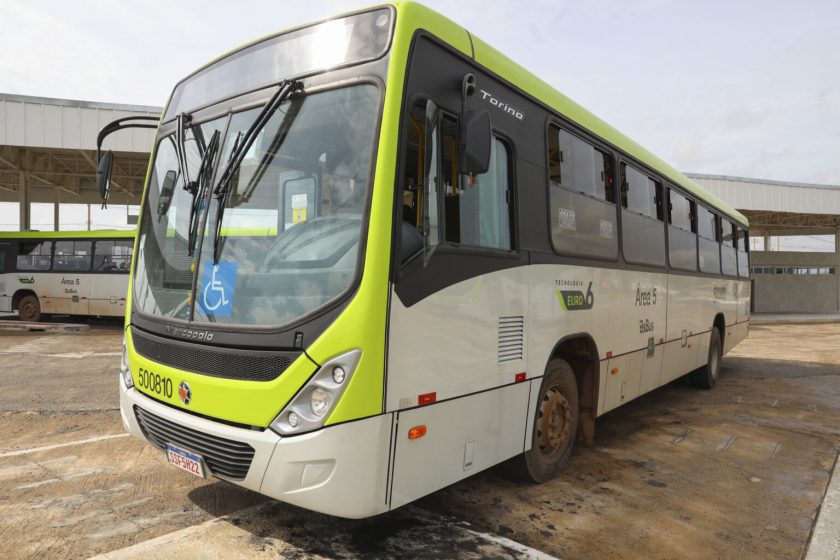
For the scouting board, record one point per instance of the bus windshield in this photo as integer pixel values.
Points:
(292, 225)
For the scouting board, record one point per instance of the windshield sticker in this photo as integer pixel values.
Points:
(218, 288)
(299, 204)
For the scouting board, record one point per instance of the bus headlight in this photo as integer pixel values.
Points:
(125, 371)
(319, 402)
(309, 409)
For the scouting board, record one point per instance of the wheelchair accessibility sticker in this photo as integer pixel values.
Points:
(218, 286)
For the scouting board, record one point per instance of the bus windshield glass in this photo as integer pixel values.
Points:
(292, 225)
(327, 45)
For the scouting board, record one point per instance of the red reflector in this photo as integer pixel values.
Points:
(609, 354)
(428, 398)
(417, 432)
(519, 377)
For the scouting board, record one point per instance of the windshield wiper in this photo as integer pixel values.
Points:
(202, 182)
(222, 190)
(180, 151)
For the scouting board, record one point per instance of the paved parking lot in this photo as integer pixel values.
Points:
(737, 472)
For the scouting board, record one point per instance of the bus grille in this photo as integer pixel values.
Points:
(247, 365)
(224, 457)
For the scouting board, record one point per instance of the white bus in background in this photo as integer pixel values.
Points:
(64, 273)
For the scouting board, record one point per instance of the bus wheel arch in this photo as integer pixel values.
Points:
(27, 305)
(581, 353)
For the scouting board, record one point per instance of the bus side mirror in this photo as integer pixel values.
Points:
(476, 143)
(103, 174)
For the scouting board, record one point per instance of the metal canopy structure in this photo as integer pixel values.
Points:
(777, 206)
(787, 281)
(48, 152)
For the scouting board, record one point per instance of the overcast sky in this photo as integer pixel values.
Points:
(746, 88)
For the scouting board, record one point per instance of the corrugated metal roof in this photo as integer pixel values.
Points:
(41, 122)
(747, 193)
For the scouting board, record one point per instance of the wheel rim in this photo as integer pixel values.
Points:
(714, 359)
(554, 421)
(27, 310)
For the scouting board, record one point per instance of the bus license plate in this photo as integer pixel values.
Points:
(185, 460)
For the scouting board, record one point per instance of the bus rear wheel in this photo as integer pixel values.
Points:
(706, 377)
(29, 309)
(555, 425)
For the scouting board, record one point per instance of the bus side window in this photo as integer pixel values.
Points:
(477, 213)
(642, 217)
(113, 256)
(34, 255)
(708, 230)
(581, 191)
(682, 237)
(743, 253)
(72, 256)
(411, 184)
(728, 251)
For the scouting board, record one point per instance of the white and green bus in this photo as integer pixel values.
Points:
(451, 265)
(65, 273)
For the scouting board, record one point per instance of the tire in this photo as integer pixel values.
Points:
(706, 377)
(555, 426)
(29, 309)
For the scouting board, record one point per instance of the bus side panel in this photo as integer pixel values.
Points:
(624, 380)
(8, 282)
(688, 316)
(689, 306)
(454, 342)
(463, 436)
(623, 311)
(77, 289)
(735, 334)
(47, 286)
(744, 296)
(107, 294)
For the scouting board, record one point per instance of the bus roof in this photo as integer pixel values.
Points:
(96, 234)
(422, 17)
(512, 72)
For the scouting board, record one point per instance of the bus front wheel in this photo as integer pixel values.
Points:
(29, 309)
(555, 424)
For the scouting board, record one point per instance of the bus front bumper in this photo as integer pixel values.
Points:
(339, 470)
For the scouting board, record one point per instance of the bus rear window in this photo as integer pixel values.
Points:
(34, 255)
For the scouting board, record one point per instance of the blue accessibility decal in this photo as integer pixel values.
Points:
(218, 287)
